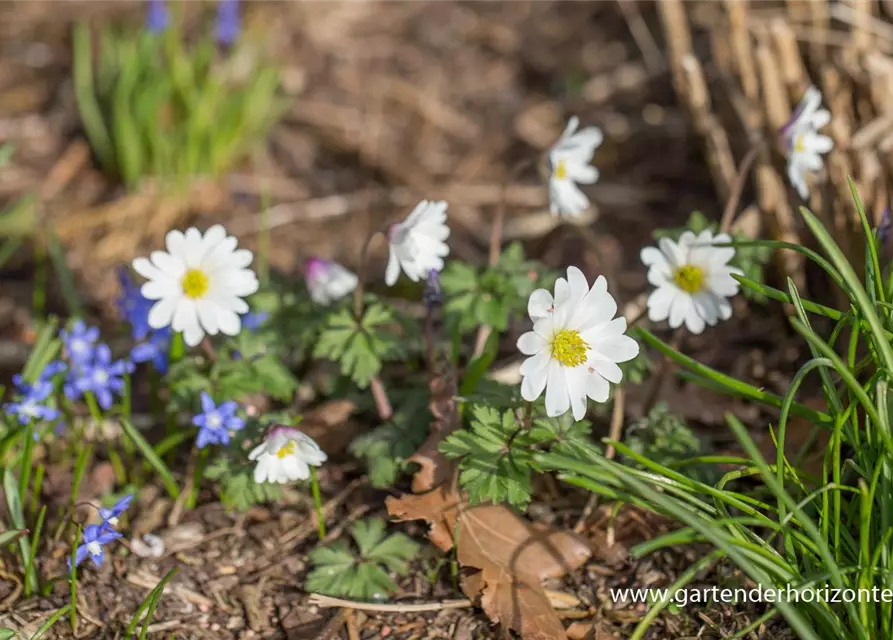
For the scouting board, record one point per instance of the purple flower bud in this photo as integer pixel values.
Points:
(157, 16)
(226, 30)
(884, 228)
(432, 289)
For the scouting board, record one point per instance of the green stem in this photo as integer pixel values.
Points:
(317, 501)
(197, 475)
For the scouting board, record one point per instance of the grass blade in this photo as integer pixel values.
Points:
(151, 457)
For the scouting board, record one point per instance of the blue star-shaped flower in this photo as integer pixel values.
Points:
(227, 27)
(30, 407)
(95, 537)
(79, 342)
(102, 377)
(215, 422)
(157, 16)
(110, 516)
(155, 349)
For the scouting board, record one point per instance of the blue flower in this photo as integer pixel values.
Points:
(95, 537)
(110, 516)
(157, 16)
(79, 342)
(133, 305)
(102, 377)
(155, 349)
(215, 422)
(226, 29)
(52, 370)
(254, 319)
(884, 228)
(30, 407)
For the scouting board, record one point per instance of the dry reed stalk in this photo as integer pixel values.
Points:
(762, 60)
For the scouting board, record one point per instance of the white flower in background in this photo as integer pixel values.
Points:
(418, 244)
(285, 456)
(199, 283)
(327, 281)
(804, 143)
(575, 345)
(693, 280)
(568, 163)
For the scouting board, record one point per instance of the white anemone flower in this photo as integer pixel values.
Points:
(199, 283)
(575, 345)
(285, 456)
(804, 143)
(568, 164)
(328, 281)
(693, 280)
(418, 244)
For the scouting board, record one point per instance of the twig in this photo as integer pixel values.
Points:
(728, 214)
(382, 402)
(326, 601)
(642, 35)
(306, 528)
(352, 632)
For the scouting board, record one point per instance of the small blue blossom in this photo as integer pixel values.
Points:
(52, 370)
(102, 377)
(155, 349)
(110, 516)
(134, 306)
(79, 342)
(157, 16)
(30, 407)
(215, 422)
(432, 289)
(95, 537)
(226, 29)
(254, 319)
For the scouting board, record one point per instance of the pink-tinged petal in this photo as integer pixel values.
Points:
(531, 343)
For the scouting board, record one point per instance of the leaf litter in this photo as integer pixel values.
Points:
(504, 558)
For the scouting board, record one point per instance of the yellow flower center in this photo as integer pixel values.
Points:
(195, 284)
(561, 170)
(689, 278)
(569, 348)
(286, 450)
(800, 143)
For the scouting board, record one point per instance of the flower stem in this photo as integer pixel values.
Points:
(358, 293)
(178, 348)
(317, 501)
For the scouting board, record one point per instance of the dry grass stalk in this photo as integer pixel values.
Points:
(761, 61)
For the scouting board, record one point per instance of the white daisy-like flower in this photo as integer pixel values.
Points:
(568, 164)
(418, 244)
(285, 456)
(803, 141)
(575, 345)
(693, 280)
(199, 283)
(328, 281)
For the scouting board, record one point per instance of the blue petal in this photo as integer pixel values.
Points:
(207, 403)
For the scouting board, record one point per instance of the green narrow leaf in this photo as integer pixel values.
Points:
(85, 96)
(53, 619)
(63, 273)
(479, 366)
(151, 457)
(17, 515)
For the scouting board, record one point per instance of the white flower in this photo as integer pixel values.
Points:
(418, 244)
(568, 163)
(575, 345)
(804, 143)
(199, 283)
(286, 456)
(327, 281)
(693, 280)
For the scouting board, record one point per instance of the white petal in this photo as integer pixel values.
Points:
(597, 388)
(257, 451)
(531, 343)
(148, 270)
(207, 315)
(539, 305)
(680, 308)
(617, 349)
(172, 267)
(157, 289)
(162, 312)
(533, 364)
(583, 173)
(557, 399)
(393, 269)
(175, 242)
(607, 370)
(576, 390)
(659, 303)
(230, 324)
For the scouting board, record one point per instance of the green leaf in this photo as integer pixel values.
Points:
(237, 487)
(338, 571)
(359, 347)
(6, 633)
(495, 457)
(385, 448)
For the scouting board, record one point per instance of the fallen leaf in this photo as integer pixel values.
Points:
(508, 556)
